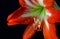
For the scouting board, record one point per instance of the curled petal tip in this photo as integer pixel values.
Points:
(15, 18)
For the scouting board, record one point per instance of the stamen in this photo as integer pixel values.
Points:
(35, 21)
(38, 23)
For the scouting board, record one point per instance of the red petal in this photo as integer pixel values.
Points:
(16, 13)
(21, 20)
(50, 33)
(29, 32)
(58, 16)
(15, 18)
(48, 3)
(22, 3)
(55, 15)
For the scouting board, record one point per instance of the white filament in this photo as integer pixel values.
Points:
(47, 25)
(40, 2)
(48, 13)
(26, 15)
(34, 2)
(29, 3)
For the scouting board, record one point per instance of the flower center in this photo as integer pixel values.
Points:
(38, 11)
(41, 13)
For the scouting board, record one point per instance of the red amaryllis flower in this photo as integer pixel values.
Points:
(39, 14)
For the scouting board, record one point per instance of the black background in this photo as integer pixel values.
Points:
(16, 32)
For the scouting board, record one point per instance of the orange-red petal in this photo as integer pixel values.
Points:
(16, 13)
(48, 3)
(50, 33)
(15, 17)
(21, 20)
(55, 15)
(29, 32)
(22, 3)
(58, 16)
